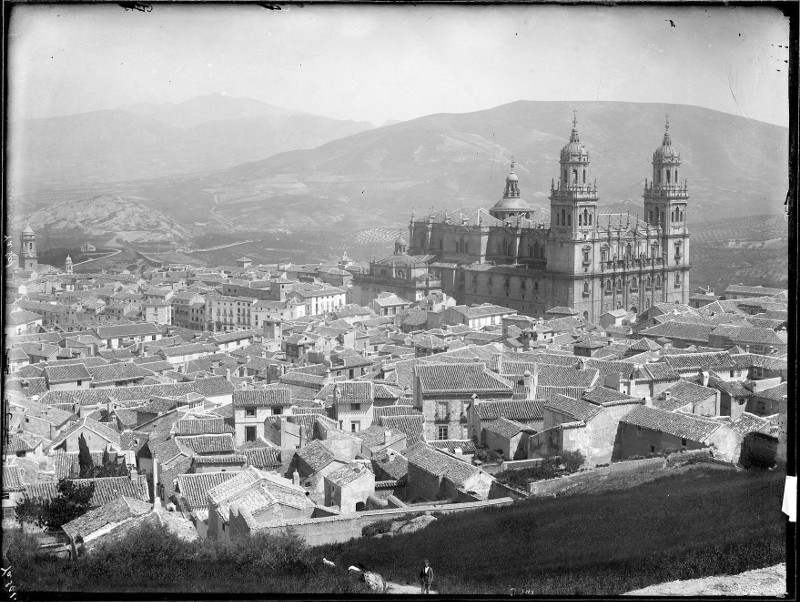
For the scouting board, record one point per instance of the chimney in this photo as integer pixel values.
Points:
(386, 436)
(704, 377)
(747, 348)
(648, 401)
(667, 395)
(582, 365)
(302, 436)
(296, 476)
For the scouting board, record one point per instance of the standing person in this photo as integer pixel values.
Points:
(426, 577)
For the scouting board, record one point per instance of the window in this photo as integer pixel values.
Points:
(441, 433)
(683, 442)
(79, 383)
(250, 433)
(652, 449)
(355, 426)
(276, 410)
(356, 407)
(569, 219)
(250, 412)
(585, 289)
(585, 256)
(442, 413)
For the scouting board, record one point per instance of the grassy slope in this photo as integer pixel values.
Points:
(701, 522)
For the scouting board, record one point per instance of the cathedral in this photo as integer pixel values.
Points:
(582, 259)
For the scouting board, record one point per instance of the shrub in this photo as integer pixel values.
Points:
(19, 547)
(546, 469)
(488, 456)
(382, 526)
(572, 460)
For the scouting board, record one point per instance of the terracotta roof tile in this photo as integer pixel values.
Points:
(678, 424)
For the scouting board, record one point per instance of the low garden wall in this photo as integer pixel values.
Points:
(369, 517)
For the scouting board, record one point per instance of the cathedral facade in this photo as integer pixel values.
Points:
(581, 258)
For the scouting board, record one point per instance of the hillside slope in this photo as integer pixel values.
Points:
(150, 141)
(733, 165)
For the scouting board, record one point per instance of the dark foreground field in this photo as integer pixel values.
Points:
(701, 522)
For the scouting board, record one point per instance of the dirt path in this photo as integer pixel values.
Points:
(396, 588)
(770, 581)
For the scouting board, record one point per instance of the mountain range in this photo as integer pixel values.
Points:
(145, 141)
(365, 177)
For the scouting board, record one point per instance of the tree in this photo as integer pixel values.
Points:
(73, 500)
(84, 459)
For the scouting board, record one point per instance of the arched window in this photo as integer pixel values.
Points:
(676, 175)
(658, 177)
(658, 281)
(668, 174)
(584, 176)
(608, 287)
(604, 254)
(590, 219)
(662, 217)
(536, 285)
(580, 219)
(536, 249)
(575, 176)
(466, 247)
(569, 219)
(557, 218)
(585, 288)
(628, 250)
(563, 217)
(651, 216)
(619, 285)
(634, 284)
(647, 282)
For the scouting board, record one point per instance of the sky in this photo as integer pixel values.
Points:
(379, 63)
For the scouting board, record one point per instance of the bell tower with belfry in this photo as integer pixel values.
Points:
(28, 259)
(665, 201)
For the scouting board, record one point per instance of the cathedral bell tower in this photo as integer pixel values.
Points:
(573, 199)
(665, 208)
(665, 197)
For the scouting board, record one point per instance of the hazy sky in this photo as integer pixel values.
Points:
(377, 63)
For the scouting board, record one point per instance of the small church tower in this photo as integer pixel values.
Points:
(68, 265)
(27, 251)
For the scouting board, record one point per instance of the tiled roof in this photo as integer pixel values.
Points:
(576, 408)
(459, 378)
(696, 333)
(12, 479)
(774, 393)
(262, 397)
(347, 474)
(65, 374)
(209, 444)
(393, 464)
(100, 428)
(603, 395)
(194, 488)
(505, 427)
(749, 423)
(438, 463)
(353, 391)
(411, 425)
(115, 511)
(683, 392)
(317, 455)
(467, 446)
(207, 387)
(106, 489)
(127, 330)
(187, 349)
(239, 459)
(560, 376)
(265, 458)
(118, 372)
(754, 360)
(678, 424)
(227, 337)
(378, 436)
(109, 354)
(394, 410)
(700, 361)
(526, 410)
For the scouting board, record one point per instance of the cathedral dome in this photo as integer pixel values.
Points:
(511, 204)
(400, 240)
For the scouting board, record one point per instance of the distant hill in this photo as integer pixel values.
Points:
(734, 166)
(146, 141)
(106, 220)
